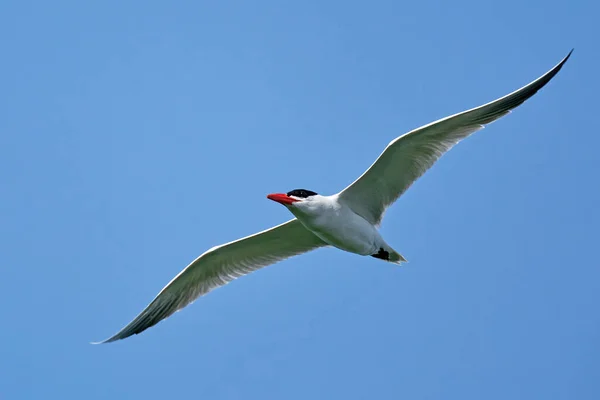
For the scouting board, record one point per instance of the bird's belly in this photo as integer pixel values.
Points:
(348, 232)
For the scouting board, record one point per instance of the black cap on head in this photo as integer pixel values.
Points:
(302, 193)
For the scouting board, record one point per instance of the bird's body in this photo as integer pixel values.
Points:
(338, 225)
(347, 220)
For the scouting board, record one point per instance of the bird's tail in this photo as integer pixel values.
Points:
(396, 257)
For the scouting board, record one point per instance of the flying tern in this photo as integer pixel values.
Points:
(347, 220)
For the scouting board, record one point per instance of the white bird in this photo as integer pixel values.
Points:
(347, 220)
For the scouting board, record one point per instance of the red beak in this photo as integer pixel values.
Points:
(281, 198)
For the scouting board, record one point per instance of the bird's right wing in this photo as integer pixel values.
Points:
(221, 265)
(407, 157)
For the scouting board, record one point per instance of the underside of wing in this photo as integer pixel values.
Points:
(219, 266)
(407, 157)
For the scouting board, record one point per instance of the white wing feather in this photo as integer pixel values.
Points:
(407, 157)
(219, 266)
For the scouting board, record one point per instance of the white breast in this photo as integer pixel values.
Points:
(339, 226)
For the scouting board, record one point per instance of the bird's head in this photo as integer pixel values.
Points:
(295, 198)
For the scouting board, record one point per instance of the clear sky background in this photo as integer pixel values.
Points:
(136, 135)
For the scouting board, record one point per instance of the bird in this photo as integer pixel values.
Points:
(348, 220)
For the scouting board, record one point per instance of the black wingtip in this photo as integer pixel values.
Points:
(562, 62)
(116, 337)
(550, 74)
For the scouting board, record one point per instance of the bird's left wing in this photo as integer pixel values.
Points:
(221, 265)
(407, 157)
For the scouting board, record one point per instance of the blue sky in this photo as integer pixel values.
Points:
(136, 135)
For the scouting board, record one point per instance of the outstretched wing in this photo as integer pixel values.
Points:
(221, 265)
(407, 157)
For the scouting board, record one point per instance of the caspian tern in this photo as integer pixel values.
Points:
(347, 220)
